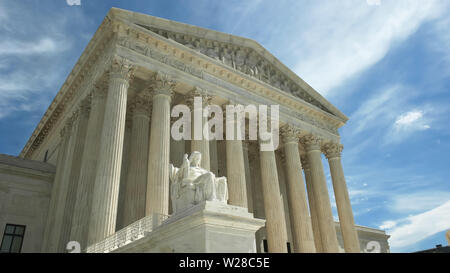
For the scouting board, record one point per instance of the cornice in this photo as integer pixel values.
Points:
(150, 44)
(160, 25)
(76, 80)
(114, 30)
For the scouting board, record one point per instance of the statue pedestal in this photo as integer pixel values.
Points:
(204, 228)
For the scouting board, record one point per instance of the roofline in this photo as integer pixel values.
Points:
(157, 22)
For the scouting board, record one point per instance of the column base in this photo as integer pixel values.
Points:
(209, 227)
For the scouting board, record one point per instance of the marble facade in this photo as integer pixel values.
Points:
(109, 128)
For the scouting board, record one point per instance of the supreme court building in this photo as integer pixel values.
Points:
(95, 171)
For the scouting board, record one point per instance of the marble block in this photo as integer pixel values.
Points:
(209, 227)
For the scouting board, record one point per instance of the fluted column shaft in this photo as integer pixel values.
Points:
(199, 145)
(248, 179)
(124, 171)
(273, 206)
(312, 204)
(346, 220)
(157, 197)
(74, 174)
(255, 171)
(214, 163)
(56, 188)
(321, 197)
(136, 184)
(82, 210)
(237, 188)
(300, 222)
(54, 243)
(107, 178)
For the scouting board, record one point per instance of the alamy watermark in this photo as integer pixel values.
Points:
(207, 123)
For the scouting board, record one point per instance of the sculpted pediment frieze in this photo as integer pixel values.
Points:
(243, 59)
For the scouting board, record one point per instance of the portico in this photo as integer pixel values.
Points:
(139, 66)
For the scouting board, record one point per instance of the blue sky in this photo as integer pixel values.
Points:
(386, 66)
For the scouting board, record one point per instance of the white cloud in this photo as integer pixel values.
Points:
(324, 42)
(373, 2)
(412, 229)
(405, 124)
(419, 201)
(411, 119)
(388, 225)
(347, 37)
(377, 109)
(34, 55)
(44, 45)
(73, 2)
(408, 118)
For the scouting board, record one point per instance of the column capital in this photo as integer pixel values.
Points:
(198, 92)
(311, 142)
(121, 68)
(332, 149)
(162, 84)
(290, 134)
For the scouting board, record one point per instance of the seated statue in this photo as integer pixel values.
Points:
(191, 184)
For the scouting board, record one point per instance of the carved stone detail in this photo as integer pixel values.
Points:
(198, 92)
(243, 59)
(311, 142)
(290, 133)
(162, 84)
(121, 68)
(332, 150)
(162, 53)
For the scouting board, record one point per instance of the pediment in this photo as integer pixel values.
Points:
(241, 54)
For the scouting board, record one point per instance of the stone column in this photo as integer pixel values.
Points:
(136, 185)
(255, 171)
(214, 163)
(273, 206)
(350, 236)
(248, 179)
(312, 204)
(124, 170)
(71, 197)
(56, 188)
(221, 159)
(64, 184)
(201, 145)
(300, 222)
(82, 210)
(323, 207)
(280, 160)
(177, 150)
(107, 179)
(237, 188)
(157, 198)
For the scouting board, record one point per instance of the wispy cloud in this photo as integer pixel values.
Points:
(73, 2)
(419, 201)
(33, 56)
(337, 40)
(42, 46)
(412, 229)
